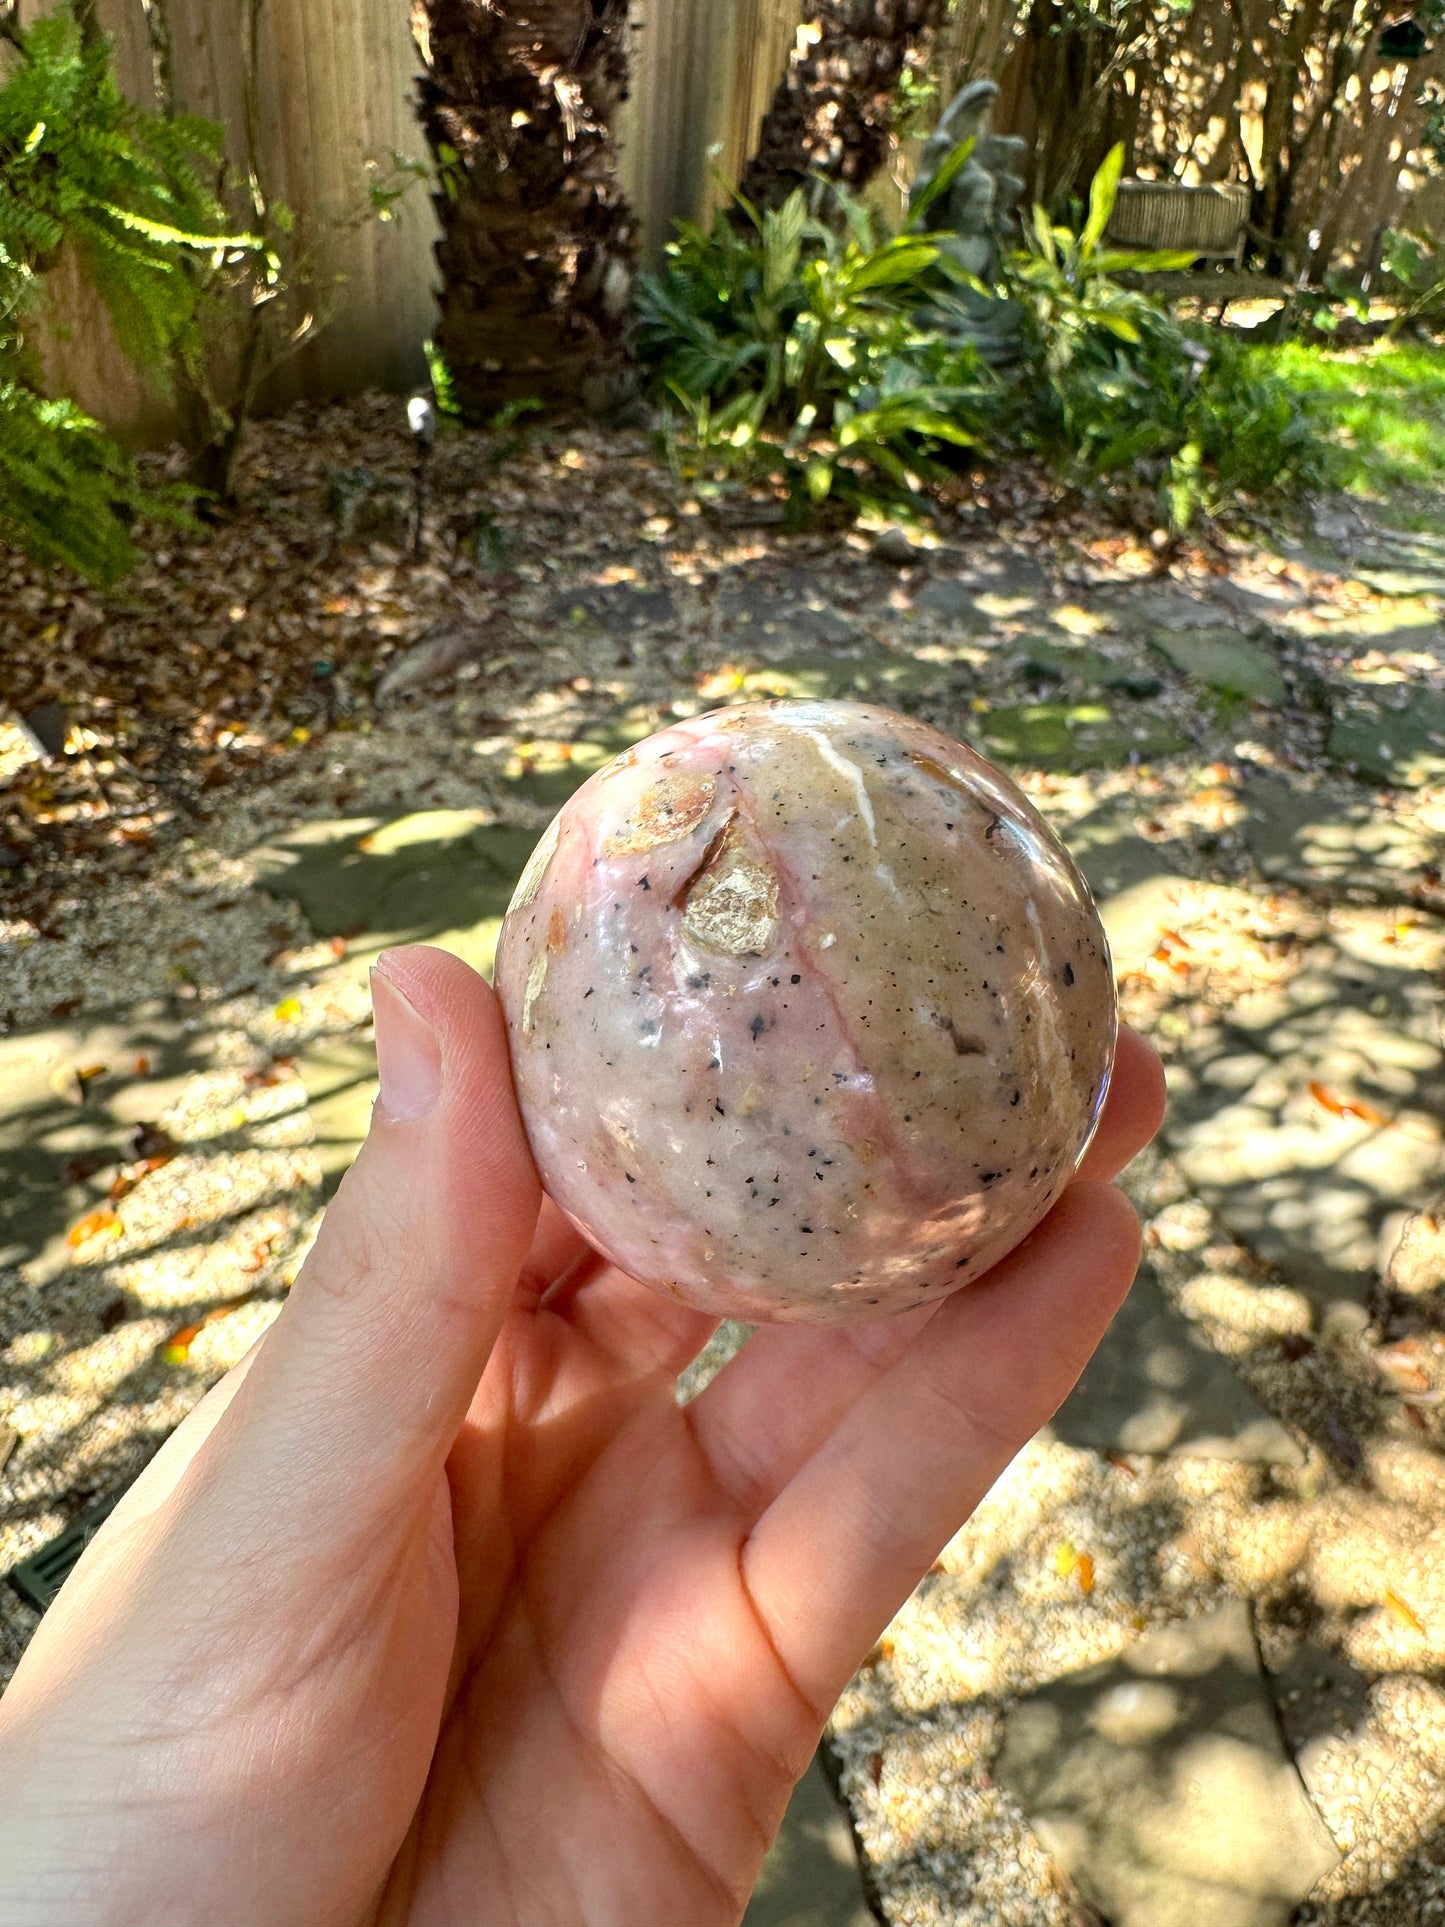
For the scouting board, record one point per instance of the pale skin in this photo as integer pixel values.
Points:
(439, 1612)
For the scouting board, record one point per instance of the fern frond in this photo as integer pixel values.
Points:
(83, 167)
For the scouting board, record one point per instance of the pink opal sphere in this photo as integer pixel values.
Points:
(811, 1015)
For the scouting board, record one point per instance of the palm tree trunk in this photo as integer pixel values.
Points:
(834, 107)
(537, 246)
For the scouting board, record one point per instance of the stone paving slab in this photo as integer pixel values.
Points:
(810, 1877)
(1326, 838)
(1160, 1783)
(1223, 660)
(769, 613)
(621, 608)
(1324, 1713)
(1400, 742)
(953, 603)
(435, 876)
(1156, 1385)
(1076, 735)
(1311, 1114)
(339, 1078)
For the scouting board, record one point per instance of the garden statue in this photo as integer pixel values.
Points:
(967, 216)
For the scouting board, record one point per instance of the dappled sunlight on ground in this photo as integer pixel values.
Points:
(1244, 748)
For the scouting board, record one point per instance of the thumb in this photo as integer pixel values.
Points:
(362, 1383)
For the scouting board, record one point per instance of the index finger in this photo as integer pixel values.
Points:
(1133, 1111)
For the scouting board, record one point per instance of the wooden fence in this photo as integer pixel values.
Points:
(703, 72)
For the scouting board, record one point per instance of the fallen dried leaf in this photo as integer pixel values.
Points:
(91, 1226)
(177, 1347)
(1346, 1107)
(1403, 1614)
(153, 1144)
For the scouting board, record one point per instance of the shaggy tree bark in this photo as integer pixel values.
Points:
(537, 246)
(834, 106)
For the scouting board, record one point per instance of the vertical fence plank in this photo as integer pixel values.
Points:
(702, 77)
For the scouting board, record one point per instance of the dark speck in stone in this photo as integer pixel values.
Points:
(1068, 973)
(645, 884)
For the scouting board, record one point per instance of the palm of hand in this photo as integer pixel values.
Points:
(612, 1680)
(627, 1668)
(440, 1610)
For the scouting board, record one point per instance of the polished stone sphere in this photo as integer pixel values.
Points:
(811, 1015)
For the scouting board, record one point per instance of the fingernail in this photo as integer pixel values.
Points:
(408, 1050)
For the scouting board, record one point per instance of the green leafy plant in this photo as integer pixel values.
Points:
(1076, 309)
(83, 169)
(808, 347)
(1414, 264)
(1120, 396)
(81, 166)
(1384, 407)
(67, 494)
(791, 340)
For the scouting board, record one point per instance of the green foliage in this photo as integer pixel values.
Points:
(80, 164)
(1386, 405)
(1414, 264)
(1121, 396)
(824, 353)
(1076, 311)
(66, 491)
(443, 387)
(793, 344)
(82, 168)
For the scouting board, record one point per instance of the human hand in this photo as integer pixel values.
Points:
(439, 1610)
